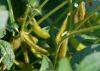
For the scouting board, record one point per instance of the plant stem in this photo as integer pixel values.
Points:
(81, 31)
(26, 15)
(25, 53)
(43, 4)
(51, 12)
(25, 18)
(11, 12)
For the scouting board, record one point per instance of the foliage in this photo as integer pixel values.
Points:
(49, 35)
(93, 58)
(6, 53)
(3, 20)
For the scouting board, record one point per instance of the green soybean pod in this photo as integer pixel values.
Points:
(62, 29)
(38, 30)
(80, 13)
(33, 46)
(63, 49)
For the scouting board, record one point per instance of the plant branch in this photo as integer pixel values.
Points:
(51, 12)
(11, 11)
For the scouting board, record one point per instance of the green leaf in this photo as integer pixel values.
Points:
(46, 64)
(64, 65)
(3, 20)
(7, 53)
(79, 56)
(44, 44)
(90, 63)
(89, 37)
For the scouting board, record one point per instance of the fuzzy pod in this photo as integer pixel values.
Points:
(35, 48)
(62, 30)
(16, 43)
(38, 30)
(63, 49)
(80, 13)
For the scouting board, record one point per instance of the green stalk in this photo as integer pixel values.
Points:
(77, 32)
(51, 12)
(71, 16)
(27, 11)
(11, 12)
(60, 17)
(11, 15)
(25, 18)
(25, 53)
(43, 4)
